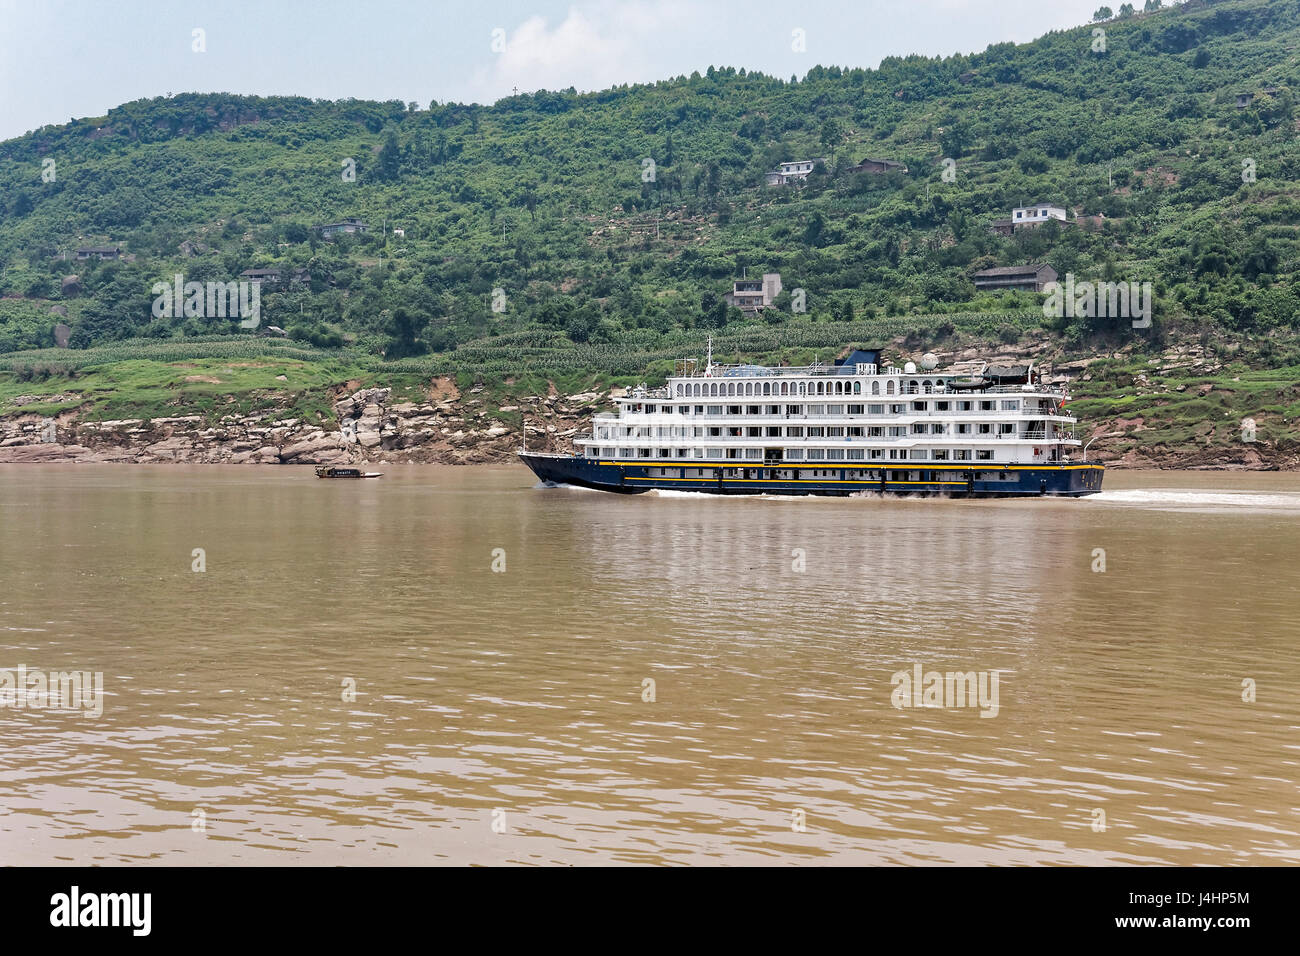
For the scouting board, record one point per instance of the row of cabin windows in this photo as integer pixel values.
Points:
(805, 454)
(817, 387)
(824, 474)
(808, 431)
(771, 410)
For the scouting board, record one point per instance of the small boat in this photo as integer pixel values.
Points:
(329, 471)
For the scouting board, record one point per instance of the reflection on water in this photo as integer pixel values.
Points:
(770, 629)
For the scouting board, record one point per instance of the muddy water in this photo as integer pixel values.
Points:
(449, 665)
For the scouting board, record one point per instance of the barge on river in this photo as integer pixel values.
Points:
(854, 426)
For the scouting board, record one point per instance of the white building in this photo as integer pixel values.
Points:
(794, 172)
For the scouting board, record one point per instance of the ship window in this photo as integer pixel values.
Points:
(785, 388)
(889, 388)
(987, 406)
(679, 389)
(1006, 429)
(875, 409)
(855, 431)
(835, 453)
(875, 388)
(816, 431)
(794, 431)
(857, 454)
(773, 431)
(816, 453)
(749, 388)
(794, 453)
(752, 409)
(918, 406)
(821, 388)
(941, 406)
(940, 454)
(767, 388)
(857, 388)
(835, 431)
(961, 454)
(983, 454)
(834, 409)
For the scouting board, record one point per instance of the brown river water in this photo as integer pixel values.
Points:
(358, 675)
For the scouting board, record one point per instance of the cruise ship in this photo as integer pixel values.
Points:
(855, 426)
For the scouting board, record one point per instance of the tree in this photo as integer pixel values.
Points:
(832, 135)
(1151, 6)
(1103, 13)
(402, 341)
(390, 157)
(1126, 10)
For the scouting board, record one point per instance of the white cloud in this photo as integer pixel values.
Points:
(596, 45)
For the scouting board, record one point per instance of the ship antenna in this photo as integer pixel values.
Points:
(708, 362)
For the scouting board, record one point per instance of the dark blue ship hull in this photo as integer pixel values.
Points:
(958, 480)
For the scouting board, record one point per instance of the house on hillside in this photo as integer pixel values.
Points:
(347, 225)
(755, 295)
(1028, 278)
(1245, 99)
(1030, 217)
(795, 172)
(878, 166)
(277, 277)
(99, 252)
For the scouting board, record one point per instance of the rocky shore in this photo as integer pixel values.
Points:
(367, 429)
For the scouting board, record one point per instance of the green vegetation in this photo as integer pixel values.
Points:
(607, 274)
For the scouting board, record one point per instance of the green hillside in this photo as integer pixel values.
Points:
(604, 268)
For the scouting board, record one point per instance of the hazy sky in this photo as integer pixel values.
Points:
(64, 59)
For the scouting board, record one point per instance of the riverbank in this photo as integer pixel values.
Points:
(1187, 407)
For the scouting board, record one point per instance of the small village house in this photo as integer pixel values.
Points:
(1027, 278)
(794, 172)
(1030, 217)
(277, 277)
(99, 252)
(878, 166)
(755, 295)
(351, 225)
